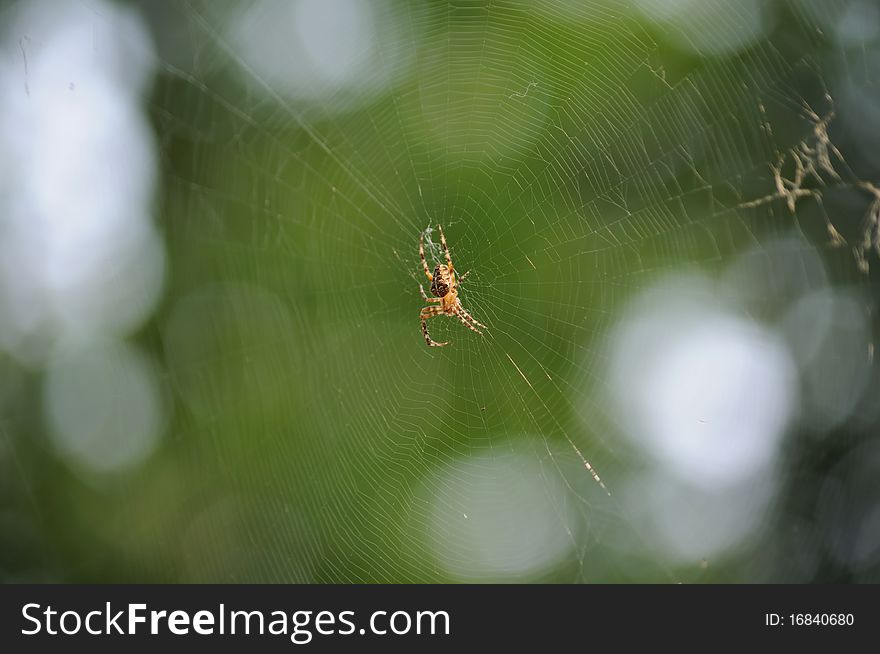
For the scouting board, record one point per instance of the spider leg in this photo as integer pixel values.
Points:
(466, 322)
(460, 309)
(462, 278)
(425, 296)
(424, 314)
(445, 247)
(422, 255)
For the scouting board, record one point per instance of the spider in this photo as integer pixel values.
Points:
(444, 288)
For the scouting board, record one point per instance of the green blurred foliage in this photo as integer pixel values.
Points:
(569, 161)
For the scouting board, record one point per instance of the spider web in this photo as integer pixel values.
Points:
(573, 153)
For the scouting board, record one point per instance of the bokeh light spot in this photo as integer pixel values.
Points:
(497, 516)
(104, 408)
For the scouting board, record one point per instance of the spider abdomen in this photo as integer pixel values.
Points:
(440, 283)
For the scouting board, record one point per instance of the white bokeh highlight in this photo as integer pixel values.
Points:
(706, 396)
(104, 410)
(691, 524)
(707, 378)
(849, 504)
(765, 279)
(706, 393)
(829, 332)
(853, 23)
(326, 52)
(497, 516)
(81, 262)
(859, 23)
(710, 27)
(79, 254)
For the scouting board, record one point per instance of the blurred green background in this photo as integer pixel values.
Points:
(211, 367)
